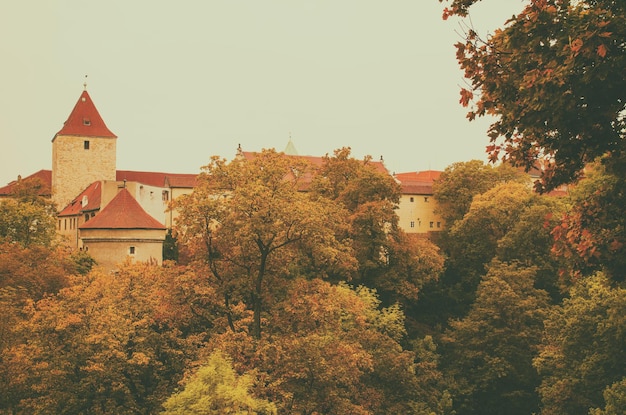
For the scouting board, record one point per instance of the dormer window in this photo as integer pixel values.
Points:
(86, 144)
(86, 121)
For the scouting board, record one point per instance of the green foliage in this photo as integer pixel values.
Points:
(509, 222)
(83, 262)
(583, 352)
(615, 398)
(553, 79)
(489, 352)
(216, 389)
(460, 182)
(170, 247)
(26, 223)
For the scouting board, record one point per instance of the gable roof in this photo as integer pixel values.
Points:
(85, 120)
(123, 212)
(419, 176)
(158, 179)
(92, 196)
(417, 183)
(45, 176)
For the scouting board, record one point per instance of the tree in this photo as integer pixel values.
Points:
(582, 353)
(553, 79)
(331, 349)
(615, 398)
(27, 223)
(37, 270)
(490, 351)
(254, 228)
(32, 190)
(103, 345)
(592, 235)
(460, 182)
(389, 260)
(216, 389)
(509, 223)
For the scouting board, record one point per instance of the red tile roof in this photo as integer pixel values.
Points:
(45, 176)
(158, 179)
(84, 120)
(123, 212)
(92, 196)
(419, 176)
(418, 183)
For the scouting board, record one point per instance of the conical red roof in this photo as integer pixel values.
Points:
(85, 121)
(123, 212)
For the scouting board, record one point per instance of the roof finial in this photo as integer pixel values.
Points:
(85, 83)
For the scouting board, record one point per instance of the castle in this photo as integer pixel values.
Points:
(115, 214)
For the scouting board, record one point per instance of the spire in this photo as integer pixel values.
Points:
(290, 150)
(84, 120)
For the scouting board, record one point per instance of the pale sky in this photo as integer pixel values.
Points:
(178, 82)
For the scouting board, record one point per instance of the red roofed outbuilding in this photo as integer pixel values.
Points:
(121, 230)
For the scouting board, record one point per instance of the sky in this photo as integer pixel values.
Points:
(179, 82)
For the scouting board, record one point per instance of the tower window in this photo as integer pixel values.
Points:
(86, 144)
(412, 200)
(131, 250)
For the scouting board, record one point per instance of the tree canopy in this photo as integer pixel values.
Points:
(552, 77)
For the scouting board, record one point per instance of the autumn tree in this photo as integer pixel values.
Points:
(106, 345)
(592, 235)
(552, 77)
(582, 355)
(248, 221)
(37, 270)
(369, 195)
(389, 260)
(32, 190)
(332, 349)
(490, 351)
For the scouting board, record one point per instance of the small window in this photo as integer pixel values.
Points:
(86, 121)
(412, 224)
(439, 224)
(412, 200)
(131, 250)
(432, 224)
(426, 199)
(86, 217)
(166, 195)
(86, 144)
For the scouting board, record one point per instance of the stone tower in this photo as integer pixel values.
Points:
(83, 151)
